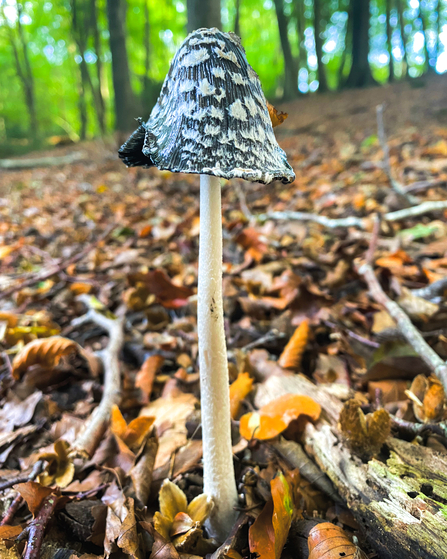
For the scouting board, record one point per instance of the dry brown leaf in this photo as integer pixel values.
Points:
(428, 397)
(277, 117)
(9, 532)
(328, 541)
(291, 356)
(133, 434)
(33, 493)
(46, 352)
(364, 434)
(417, 308)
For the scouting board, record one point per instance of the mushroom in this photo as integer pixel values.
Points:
(212, 119)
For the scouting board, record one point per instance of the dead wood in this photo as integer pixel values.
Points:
(48, 161)
(399, 498)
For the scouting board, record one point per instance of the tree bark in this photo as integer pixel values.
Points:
(203, 13)
(403, 35)
(322, 87)
(300, 27)
(428, 67)
(348, 46)
(360, 74)
(389, 36)
(101, 108)
(398, 498)
(290, 67)
(125, 109)
(237, 19)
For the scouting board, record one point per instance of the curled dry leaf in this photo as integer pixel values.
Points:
(9, 533)
(179, 522)
(239, 390)
(428, 397)
(133, 434)
(269, 532)
(291, 356)
(34, 494)
(327, 541)
(60, 468)
(273, 418)
(416, 307)
(364, 434)
(277, 117)
(46, 352)
(158, 283)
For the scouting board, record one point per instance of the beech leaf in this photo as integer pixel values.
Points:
(239, 390)
(291, 356)
(33, 493)
(327, 541)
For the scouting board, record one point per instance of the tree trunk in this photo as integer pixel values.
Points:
(428, 67)
(203, 13)
(125, 110)
(403, 35)
(290, 67)
(348, 44)
(237, 19)
(360, 74)
(322, 87)
(399, 496)
(101, 109)
(389, 36)
(24, 73)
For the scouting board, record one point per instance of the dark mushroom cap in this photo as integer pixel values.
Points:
(211, 117)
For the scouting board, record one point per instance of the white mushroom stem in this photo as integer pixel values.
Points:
(219, 479)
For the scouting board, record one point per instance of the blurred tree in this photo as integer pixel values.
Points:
(203, 13)
(237, 19)
(427, 66)
(19, 47)
(360, 74)
(125, 105)
(322, 87)
(403, 36)
(389, 37)
(290, 65)
(298, 6)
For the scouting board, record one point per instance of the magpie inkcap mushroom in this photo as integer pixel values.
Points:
(211, 117)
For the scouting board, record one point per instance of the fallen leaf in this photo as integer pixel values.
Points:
(33, 493)
(146, 375)
(133, 434)
(428, 397)
(46, 353)
(60, 468)
(277, 117)
(273, 418)
(291, 356)
(364, 434)
(9, 532)
(239, 390)
(328, 541)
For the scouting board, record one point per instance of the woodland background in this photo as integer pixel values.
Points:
(77, 69)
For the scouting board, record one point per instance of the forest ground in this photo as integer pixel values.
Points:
(277, 274)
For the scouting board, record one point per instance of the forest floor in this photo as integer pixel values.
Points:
(302, 316)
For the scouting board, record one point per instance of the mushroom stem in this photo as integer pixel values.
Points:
(219, 479)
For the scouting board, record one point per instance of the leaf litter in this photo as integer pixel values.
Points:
(296, 309)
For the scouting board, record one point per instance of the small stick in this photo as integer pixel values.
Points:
(395, 185)
(431, 291)
(419, 428)
(270, 336)
(36, 530)
(88, 440)
(12, 509)
(37, 469)
(59, 267)
(242, 200)
(404, 324)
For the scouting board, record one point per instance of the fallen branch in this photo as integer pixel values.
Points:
(88, 440)
(56, 269)
(49, 161)
(404, 324)
(37, 469)
(386, 164)
(359, 222)
(431, 291)
(420, 429)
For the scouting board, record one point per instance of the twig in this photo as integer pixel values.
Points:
(422, 185)
(89, 438)
(404, 324)
(352, 334)
(421, 429)
(395, 185)
(59, 267)
(242, 200)
(431, 291)
(369, 256)
(37, 469)
(36, 530)
(42, 161)
(270, 336)
(361, 223)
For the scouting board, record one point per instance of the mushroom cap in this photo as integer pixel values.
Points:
(211, 117)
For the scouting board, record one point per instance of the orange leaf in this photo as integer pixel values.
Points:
(249, 239)
(9, 532)
(277, 117)
(134, 433)
(273, 418)
(79, 287)
(146, 375)
(160, 284)
(327, 541)
(269, 532)
(291, 356)
(239, 390)
(397, 258)
(45, 352)
(33, 493)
